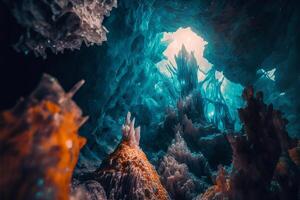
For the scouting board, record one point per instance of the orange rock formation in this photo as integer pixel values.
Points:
(39, 144)
(127, 173)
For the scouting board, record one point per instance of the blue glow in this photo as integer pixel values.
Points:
(214, 87)
(267, 74)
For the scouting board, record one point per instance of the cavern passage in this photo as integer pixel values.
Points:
(186, 99)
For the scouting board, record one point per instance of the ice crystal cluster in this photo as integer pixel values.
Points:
(131, 134)
(176, 167)
(60, 24)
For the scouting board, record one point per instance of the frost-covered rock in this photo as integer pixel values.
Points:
(60, 24)
(196, 162)
(176, 178)
(183, 173)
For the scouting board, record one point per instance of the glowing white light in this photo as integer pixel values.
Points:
(192, 43)
(282, 93)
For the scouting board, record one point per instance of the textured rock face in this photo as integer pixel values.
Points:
(183, 173)
(60, 24)
(264, 157)
(241, 36)
(195, 161)
(89, 190)
(256, 153)
(127, 173)
(39, 144)
(220, 189)
(294, 153)
(198, 134)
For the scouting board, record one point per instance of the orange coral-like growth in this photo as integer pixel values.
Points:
(127, 157)
(128, 167)
(39, 144)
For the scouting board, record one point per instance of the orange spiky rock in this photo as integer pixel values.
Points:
(39, 143)
(127, 173)
(221, 188)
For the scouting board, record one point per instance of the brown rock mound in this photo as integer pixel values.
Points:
(127, 173)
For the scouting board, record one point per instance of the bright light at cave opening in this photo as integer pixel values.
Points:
(192, 42)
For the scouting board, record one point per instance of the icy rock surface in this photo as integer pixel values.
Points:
(125, 81)
(88, 190)
(133, 84)
(39, 143)
(183, 173)
(60, 24)
(200, 135)
(127, 173)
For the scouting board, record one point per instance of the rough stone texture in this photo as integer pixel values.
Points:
(200, 135)
(60, 24)
(127, 173)
(262, 167)
(294, 154)
(183, 173)
(242, 36)
(196, 162)
(39, 144)
(216, 149)
(220, 189)
(88, 190)
(256, 153)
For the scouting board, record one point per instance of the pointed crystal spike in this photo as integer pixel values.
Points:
(83, 120)
(75, 88)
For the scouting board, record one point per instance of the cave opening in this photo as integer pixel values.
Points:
(184, 63)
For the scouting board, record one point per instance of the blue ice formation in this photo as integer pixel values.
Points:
(221, 97)
(130, 72)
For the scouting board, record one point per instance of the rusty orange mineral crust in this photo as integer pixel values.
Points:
(39, 144)
(138, 177)
(126, 155)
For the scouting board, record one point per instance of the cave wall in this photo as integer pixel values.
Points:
(242, 36)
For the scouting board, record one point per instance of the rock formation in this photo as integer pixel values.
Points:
(88, 190)
(39, 144)
(262, 165)
(60, 24)
(183, 173)
(127, 173)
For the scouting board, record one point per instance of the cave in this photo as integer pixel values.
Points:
(211, 87)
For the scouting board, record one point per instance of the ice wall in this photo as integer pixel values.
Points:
(124, 76)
